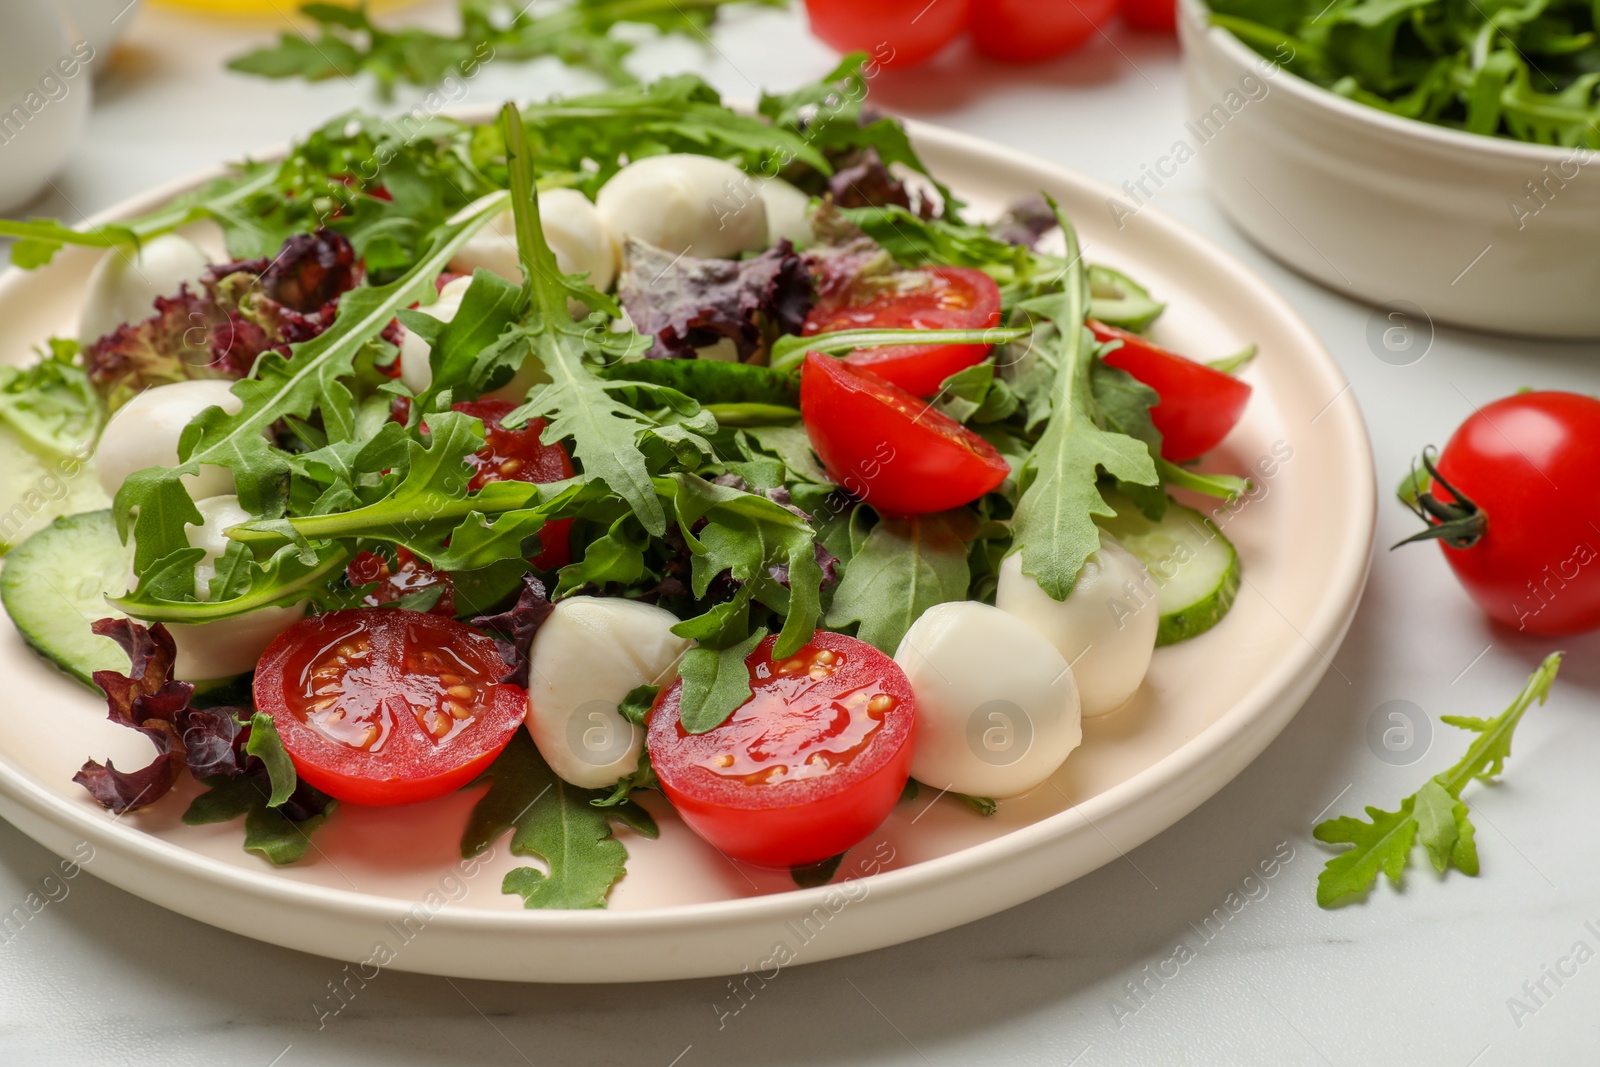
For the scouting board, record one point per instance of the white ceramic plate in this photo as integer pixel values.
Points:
(1207, 708)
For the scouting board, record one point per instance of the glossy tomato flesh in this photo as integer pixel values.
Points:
(1531, 462)
(382, 707)
(893, 33)
(404, 577)
(519, 456)
(896, 452)
(1032, 31)
(934, 298)
(1198, 405)
(807, 767)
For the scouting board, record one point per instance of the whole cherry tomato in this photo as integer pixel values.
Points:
(894, 33)
(1032, 31)
(1514, 501)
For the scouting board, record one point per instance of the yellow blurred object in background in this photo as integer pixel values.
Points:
(258, 8)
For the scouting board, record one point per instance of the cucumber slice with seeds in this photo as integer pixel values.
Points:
(1195, 568)
(54, 586)
(1117, 300)
(34, 489)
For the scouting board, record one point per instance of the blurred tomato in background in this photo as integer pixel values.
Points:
(895, 33)
(1032, 31)
(1155, 16)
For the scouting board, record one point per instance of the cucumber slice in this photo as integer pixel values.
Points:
(35, 489)
(1195, 568)
(1117, 300)
(54, 586)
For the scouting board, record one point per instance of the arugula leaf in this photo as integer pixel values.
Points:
(904, 568)
(51, 406)
(38, 240)
(1435, 814)
(789, 352)
(715, 683)
(348, 43)
(457, 348)
(554, 822)
(267, 830)
(1054, 520)
(267, 746)
(152, 502)
(577, 405)
(792, 446)
(1521, 71)
(747, 535)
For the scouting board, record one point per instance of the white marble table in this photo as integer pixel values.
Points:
(101, 977)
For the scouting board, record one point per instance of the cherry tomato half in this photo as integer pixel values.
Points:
(895, 33)
(1530, 464)
(519, 456)
(407, 575)
(382, 707)
(1152, 16)
(898, 453)
(807, 767)
(1198, 405)
(1032, 31)
(934, 298)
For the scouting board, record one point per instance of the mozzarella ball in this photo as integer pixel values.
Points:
(1106, 628)
(144, 432)
(572, 227)
(214, 651)
(415, 370)
(227, 648)
(589, 654)
(687, 205)
(997, 708)
(124, 285)
(788, 213)
(221, 513)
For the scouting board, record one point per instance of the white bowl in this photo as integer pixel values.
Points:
(1391, 210)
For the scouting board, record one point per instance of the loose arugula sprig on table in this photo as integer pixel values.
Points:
(1434, 815)
(1529, 72)
(348, 43)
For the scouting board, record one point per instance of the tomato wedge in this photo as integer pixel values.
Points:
(933, 298)
(519, 456)
(898, 453)
(385, 706)
(807, 767)
(1198, 405)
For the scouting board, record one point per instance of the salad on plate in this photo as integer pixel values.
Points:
(627, 442)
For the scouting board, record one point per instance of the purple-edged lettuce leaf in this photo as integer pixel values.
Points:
(239, 311)
(1026, 221)
(237, 754)
(688, 303)
(513, 629)
(864, 180)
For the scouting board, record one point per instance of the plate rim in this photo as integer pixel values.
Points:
(1327, 627)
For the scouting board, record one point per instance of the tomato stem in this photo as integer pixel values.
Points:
(1457, 522)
